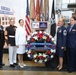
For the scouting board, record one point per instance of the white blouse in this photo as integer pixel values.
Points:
(20, 36)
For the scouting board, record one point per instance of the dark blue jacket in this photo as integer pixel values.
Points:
(61, 36)
(71, 37)
(11, 32)
(2, 39)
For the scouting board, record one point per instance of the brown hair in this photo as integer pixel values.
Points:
(20, 20)
(74, 18)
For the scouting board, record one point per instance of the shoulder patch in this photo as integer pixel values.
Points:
(64, 32)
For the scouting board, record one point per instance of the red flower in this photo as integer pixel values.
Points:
(40, 36)
(32, 40)
(48, 39)
(48, 52)
(41, 57)
(32, 52)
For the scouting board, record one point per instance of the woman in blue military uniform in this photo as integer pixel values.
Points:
(61, 42)
(71, 45)
(2, 40)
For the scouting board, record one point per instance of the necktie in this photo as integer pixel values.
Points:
(70, 28)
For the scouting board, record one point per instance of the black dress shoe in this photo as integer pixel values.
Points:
(0, 66)
(15, 64)
(3, 64)
(11, 65)
(69, 71)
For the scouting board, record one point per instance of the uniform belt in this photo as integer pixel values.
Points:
(11, 36)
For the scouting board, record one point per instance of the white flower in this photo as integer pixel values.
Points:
(53, 39)
(35, 55)
(26, 42)
(55, 42)
(40, 61)
(35, 60)
(50, 36)
(29, 55)
(28, 37)
(45, 60)
(44, 32)
(47, 33)
(52, 56)
(26, 51)
(44, 55)
(35, 32)
(29, 51)
(40, 54)
(40, 31)
(44, 37)
(52, 50)
(35, 37)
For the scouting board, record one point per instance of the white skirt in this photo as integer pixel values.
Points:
(21, 49)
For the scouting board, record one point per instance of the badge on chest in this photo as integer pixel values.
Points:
(60, 31)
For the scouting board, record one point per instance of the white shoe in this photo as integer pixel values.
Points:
(24, 64)
(21, 66)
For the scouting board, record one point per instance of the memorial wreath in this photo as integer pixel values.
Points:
(40, 47)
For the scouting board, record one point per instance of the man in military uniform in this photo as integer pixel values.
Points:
(10, 33)
(61, 42)
(2, 40)
(71, 45)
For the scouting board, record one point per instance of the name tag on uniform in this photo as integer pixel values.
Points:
(73, 30)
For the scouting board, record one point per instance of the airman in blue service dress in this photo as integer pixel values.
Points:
(61, 40)
(71, 47)
(2, 40)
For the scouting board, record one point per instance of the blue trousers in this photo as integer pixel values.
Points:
(71, 58)
(1, 54)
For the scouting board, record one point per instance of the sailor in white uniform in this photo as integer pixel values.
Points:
(20, 38)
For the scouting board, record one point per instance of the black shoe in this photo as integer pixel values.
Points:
(15, 64)
(3, 64)
(0, 66)
(11, 65)
(69, 71)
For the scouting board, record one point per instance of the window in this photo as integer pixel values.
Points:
(72, 1)
(65, 1)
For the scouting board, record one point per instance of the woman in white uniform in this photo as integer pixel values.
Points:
(20, 38)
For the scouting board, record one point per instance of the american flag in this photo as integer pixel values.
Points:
(27, 21)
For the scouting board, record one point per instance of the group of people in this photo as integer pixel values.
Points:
(66, 38)
(16, 37)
